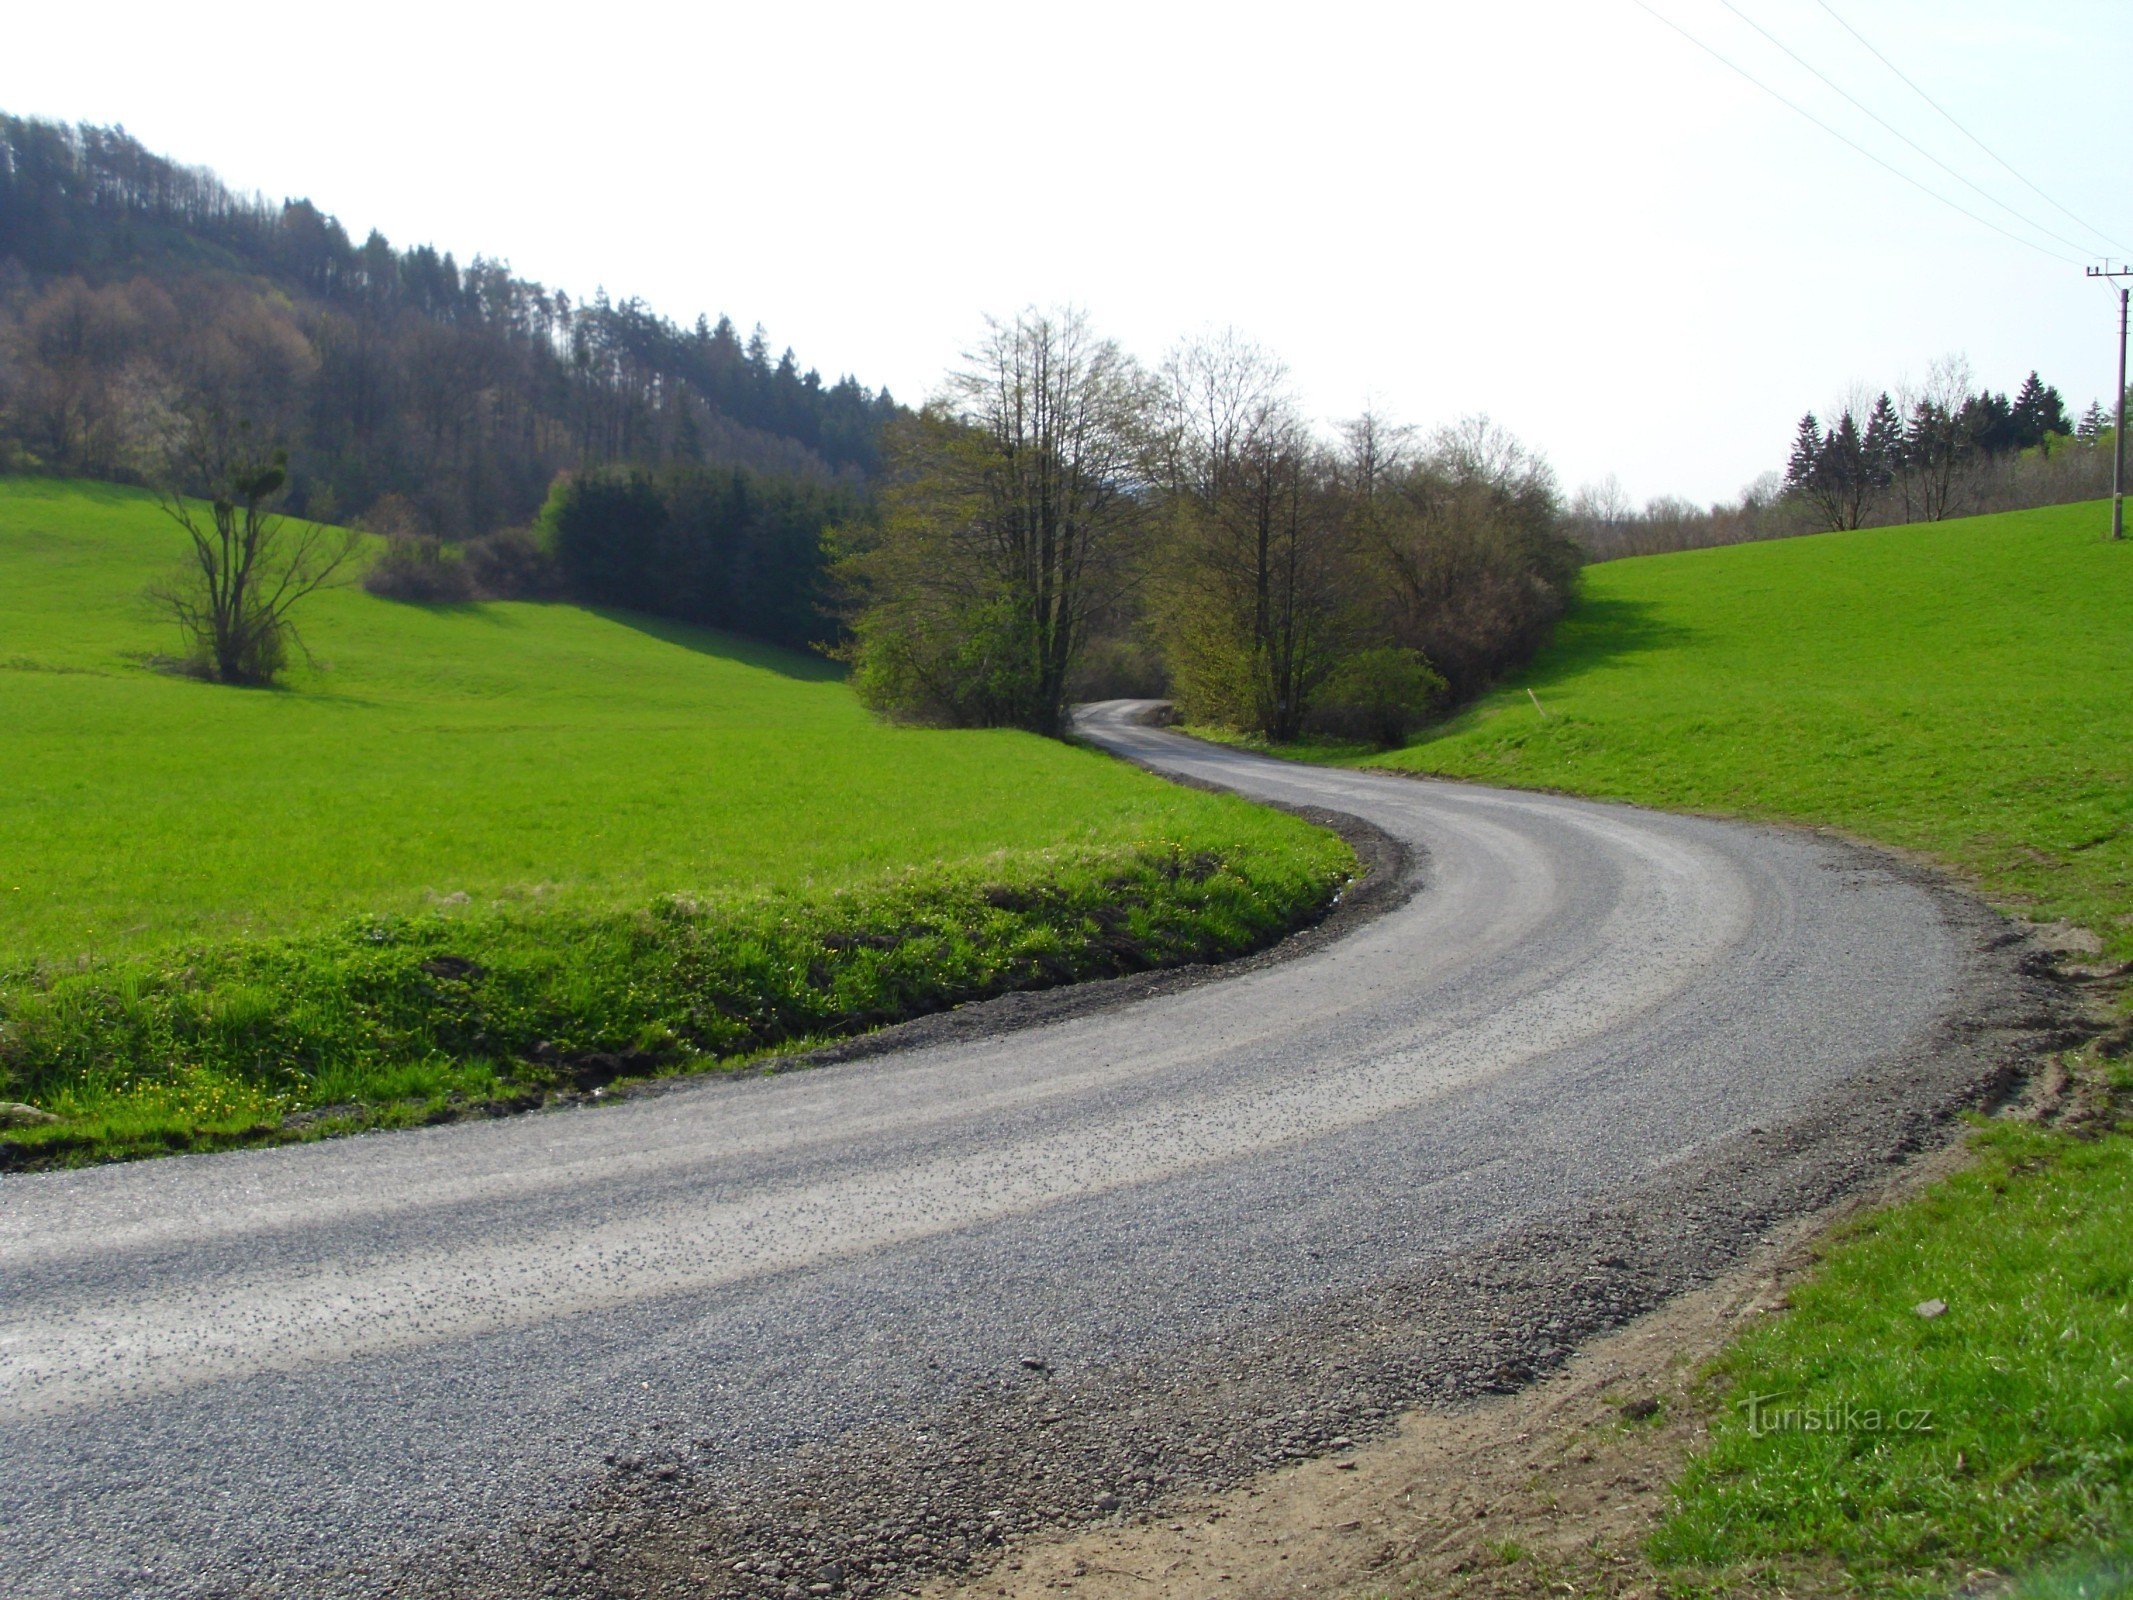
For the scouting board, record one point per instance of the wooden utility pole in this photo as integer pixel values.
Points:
(2118, 433)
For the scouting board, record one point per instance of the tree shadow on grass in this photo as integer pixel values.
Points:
(1596, 632)
(1599, 631)
(797, 664)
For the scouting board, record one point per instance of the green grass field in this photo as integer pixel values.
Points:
(1963, 690)
(194, 879)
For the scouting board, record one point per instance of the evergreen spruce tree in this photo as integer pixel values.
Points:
(1800, 470)
(1845, 486)
(2038, 413)
(1883, 446)
(1988, 422)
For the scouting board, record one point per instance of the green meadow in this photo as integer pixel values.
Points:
(464, 850)
(1963, 691)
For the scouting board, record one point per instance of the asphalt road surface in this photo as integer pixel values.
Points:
(842, 1326)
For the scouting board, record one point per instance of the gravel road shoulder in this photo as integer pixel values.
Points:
(1119, 1452)
(1549, 1491)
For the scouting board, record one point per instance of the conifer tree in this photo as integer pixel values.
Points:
(1884, 442)
(1806, 454)
(2038, 413)
(1846, 484)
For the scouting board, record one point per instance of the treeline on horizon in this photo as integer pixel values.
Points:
(1943, 448)
(509, 442)
(134, 290)
(505, 440)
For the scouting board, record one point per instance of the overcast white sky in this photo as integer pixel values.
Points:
(1556, 211)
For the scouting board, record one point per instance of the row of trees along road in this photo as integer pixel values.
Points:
(1057, 494)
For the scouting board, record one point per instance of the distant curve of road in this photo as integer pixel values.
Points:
(338, 1367)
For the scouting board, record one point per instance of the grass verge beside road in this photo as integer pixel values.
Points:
(479, 854)
(392, 1020)
(1965, 691)
(1862, 1447)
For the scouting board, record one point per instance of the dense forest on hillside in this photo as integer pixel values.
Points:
(132, 287)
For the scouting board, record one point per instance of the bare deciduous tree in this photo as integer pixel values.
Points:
(1012, 509)
(247, 568)
(1257, 585)
(1934, 475)
(1466, 552)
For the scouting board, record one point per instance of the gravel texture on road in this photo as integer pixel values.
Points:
(830, 1331)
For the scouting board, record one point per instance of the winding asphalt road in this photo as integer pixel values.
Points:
(353, 1367)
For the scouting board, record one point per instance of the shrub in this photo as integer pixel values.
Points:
(1380, 694)
(412, 567)
(948, 666)
(246, 569)
(512, 564)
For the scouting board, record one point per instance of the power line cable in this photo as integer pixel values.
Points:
(1852, 99)
(1795, 106)
(2078, 221)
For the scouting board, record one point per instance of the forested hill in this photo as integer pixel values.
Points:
(131, 286)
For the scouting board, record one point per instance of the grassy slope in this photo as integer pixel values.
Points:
(1965, 690)
(559, 769)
